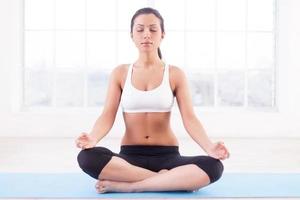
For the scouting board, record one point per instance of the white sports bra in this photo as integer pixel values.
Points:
(159, 99)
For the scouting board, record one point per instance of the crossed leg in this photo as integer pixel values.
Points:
(120, 176)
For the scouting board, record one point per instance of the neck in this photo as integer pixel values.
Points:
(148, 60)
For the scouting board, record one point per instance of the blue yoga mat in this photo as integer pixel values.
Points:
(79, 185)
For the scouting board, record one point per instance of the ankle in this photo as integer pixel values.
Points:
(134, 187)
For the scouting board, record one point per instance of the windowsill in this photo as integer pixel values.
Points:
(93, 110)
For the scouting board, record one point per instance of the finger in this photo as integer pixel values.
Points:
(220, 145)
(221, 148)
(81, 145)
(83, 134)
(225, 153)
(224, 156)
(228, 154)
(226, 150)
(78, 144)
(88, 146)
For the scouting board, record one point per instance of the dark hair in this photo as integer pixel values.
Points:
(149, 10)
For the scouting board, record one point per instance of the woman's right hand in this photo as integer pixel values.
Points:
(85, 141)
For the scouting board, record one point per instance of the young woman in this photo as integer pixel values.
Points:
(149, 159)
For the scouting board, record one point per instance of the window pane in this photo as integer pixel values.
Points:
(231, 50)
(69, 89)
(39, 14)
(70, 14)
(97, 84)
(126, 9)
(200, 14)
(101, 49)
(172, 12)
(101, 14)
(208, 38)
(38, 88)
(260, 50)
(127, 52)
(202, 88)
(261, 15)
(169, 53)
(200, 49)
(38, 49)
(231, 88)
(231, 15)
(260, 88)
(70, 49)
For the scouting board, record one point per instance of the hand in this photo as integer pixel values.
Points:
(85, 141)
(218, 151)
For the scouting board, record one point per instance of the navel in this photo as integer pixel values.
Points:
(147, 137)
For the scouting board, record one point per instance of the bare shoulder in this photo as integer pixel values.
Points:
(119, 73)
(120, 69)
(177, 75)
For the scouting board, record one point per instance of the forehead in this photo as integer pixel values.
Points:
(147, 19)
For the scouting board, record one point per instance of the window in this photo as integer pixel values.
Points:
(225, 47)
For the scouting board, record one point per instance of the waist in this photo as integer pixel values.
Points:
(149, 139)
(148, 150)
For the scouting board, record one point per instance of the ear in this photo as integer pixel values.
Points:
(163, 35)
(131, 35)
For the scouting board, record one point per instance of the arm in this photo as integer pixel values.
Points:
(190, 120)
(106, 120)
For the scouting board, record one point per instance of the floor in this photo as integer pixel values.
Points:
(247, 154)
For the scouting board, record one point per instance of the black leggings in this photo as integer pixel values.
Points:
(154, 158)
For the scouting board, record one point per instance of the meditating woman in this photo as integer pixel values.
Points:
(149, 159)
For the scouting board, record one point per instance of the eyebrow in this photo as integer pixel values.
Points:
(144, 25)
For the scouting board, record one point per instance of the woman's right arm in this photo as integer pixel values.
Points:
(106, 120)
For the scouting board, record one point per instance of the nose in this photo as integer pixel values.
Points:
(146, 34)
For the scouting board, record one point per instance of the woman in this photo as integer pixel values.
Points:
(149, 159)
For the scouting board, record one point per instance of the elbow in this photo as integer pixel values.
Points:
(189, 120)
(107, 118)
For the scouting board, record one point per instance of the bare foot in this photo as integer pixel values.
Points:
(104, 186)
(163, 171)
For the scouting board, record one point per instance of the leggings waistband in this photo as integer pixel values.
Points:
(148, 150)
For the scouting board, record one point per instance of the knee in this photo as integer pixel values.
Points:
(92, 161)
(216, 171)
(85, 159)
(212, 167)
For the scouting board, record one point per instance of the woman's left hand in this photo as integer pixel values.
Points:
(219, 151)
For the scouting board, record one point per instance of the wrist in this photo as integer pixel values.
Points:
(208, 147)
(94, 137)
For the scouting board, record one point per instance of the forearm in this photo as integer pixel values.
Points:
(102, 126)
(197, 132)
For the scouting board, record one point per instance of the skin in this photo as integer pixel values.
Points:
(151, 128)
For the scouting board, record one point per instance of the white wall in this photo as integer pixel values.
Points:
(283, 123)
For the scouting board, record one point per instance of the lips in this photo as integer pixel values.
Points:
(146, 43)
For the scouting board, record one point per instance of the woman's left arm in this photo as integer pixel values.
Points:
(190, 120)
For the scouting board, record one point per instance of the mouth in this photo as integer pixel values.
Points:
(146, 43)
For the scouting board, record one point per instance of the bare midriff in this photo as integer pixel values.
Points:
(151, 128)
